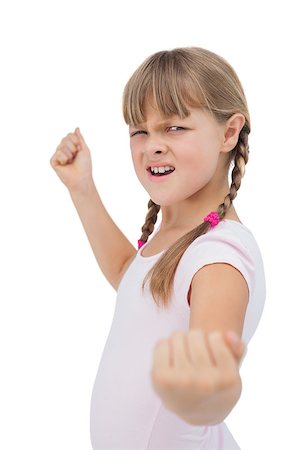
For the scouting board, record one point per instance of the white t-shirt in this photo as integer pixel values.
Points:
(126, 412)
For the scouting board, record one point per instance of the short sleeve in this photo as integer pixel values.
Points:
(232, 244)
(221, 247)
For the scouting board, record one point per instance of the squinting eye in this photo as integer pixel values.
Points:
(178, 128)
(137, 132)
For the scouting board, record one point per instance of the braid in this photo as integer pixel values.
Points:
(150, 220)
(240, 157)
(162, 273)
(241, 154)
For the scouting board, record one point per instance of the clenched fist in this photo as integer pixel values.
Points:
(197, 376)
(72, 161)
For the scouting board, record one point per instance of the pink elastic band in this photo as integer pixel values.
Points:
(213, 218)
(141, 243)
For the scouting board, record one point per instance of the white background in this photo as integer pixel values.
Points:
(64, 64)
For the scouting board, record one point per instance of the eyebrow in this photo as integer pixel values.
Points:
(159, 124)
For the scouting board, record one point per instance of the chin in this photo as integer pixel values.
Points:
(161, 202)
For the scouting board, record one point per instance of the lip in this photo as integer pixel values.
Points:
(159, 165)
(158, 179)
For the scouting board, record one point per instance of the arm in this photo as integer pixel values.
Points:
(197, 375)
(111, 248)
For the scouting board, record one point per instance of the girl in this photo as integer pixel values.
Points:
(189, 300)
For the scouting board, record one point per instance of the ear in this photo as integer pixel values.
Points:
(232, 130)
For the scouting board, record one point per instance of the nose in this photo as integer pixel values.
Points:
(155, 145)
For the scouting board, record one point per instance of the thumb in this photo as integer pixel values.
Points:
(236, 344)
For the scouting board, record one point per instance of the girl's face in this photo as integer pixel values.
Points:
(193, 146)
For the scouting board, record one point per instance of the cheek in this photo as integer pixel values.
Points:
(138, 165)
(202, 157)
(199, 166)
(135, 156)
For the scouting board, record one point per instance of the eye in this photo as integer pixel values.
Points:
(172, 128)
(137, 132)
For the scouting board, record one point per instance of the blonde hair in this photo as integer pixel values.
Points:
(177, 80)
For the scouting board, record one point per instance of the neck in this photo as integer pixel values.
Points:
(190, 213)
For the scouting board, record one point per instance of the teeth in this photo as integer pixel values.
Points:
(161, 169)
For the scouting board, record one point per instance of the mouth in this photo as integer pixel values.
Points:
(159, 176)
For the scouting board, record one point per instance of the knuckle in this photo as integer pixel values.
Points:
(73, 138)
(66, 141)
(196, 333)
(69, 147)
(215, 336)
(66, 152)
(177, 334)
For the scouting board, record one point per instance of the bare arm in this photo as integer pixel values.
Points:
(197, 374)
(110, 246)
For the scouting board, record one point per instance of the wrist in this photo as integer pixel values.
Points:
(85, 189)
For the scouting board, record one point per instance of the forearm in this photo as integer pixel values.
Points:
(216, 408)
(110, 247)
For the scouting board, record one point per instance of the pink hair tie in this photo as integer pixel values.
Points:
(213, 218)
(141, 243)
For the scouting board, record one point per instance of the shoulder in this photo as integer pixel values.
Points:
(225, 278)
(230, 229)
(230, 243)
(229, 238)
(222, 277)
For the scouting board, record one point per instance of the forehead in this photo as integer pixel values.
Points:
(153, 116)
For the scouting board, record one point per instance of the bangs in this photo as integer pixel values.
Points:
(166, 82)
